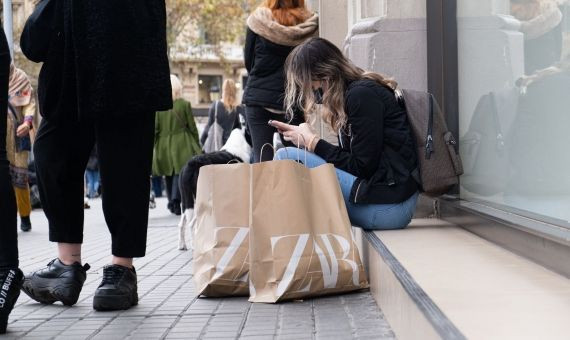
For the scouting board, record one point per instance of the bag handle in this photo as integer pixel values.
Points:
(13, 112)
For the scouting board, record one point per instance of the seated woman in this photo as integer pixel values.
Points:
(376, 155)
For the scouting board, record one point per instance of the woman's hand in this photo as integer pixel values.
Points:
(23, 130)
(302, 135)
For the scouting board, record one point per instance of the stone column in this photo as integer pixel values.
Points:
(392, 41)
(333, 26)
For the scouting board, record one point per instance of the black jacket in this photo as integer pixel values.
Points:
(377, 146)
(227, 120)
(109, 57)
(264, 61)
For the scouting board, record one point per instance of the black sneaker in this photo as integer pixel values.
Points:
(118, 290)
(10, 283)
(56, 282)
(26, 224)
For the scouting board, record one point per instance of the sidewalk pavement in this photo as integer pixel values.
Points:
(168, 307)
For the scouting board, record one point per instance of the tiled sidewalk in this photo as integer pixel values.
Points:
(168, 307)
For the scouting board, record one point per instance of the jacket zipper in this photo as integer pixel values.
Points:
(357, 190)
(351, 136)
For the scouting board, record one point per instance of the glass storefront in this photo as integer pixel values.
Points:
(209, 88)
(514, 105)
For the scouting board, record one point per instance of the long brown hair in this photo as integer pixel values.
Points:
(229, 95)
(288, 12)
(319, 59)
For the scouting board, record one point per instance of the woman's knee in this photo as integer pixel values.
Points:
(286, 153)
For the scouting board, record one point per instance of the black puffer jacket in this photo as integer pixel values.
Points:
(377, 146)
(266, 48)
(108, 57)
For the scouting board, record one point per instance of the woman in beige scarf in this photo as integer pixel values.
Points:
(20, 123)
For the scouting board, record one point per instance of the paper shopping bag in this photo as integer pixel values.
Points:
(301, 242)
(221, 235)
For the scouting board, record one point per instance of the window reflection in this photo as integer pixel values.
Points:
(515, 107)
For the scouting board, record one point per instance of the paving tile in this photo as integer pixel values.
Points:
(167, 305)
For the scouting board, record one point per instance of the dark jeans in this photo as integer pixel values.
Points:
(172, 190)
(8, 218)
(262, 133)
(124, 144)
(156, 183)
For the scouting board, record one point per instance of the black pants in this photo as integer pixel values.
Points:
(8, 218)
(262, 133)
(124, 145)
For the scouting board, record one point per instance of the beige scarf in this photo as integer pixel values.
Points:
(20, 90)
(261, 22)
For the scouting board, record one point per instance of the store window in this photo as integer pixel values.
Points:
(514, 105)
(209, 88)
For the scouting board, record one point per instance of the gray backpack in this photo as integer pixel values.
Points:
(438, 158)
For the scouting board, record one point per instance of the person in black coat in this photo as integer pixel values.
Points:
(376, 158)
(10, 275)
(273, 30)
(105, 75)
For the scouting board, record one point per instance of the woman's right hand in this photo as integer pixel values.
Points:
(23, 130)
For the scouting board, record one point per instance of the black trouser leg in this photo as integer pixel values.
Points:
(125, 162)
(168, 180)
(262, 133)
(176, 197)
(61, 152)
(8, 218)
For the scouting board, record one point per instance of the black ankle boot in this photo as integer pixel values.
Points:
(56, 282)
(26, 224)
(10, 283)
(118, 290)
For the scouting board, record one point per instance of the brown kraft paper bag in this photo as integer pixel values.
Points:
(221, 235)
(301, 242)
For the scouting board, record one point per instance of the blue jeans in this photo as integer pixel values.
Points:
(366, 216)
(92, 178)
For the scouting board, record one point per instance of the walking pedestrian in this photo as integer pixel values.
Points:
(273, 30)
(226, 113)
(92, 175)
(176, 141)
(10, 276)
(21, 112)
(376, 157)
(104, 76)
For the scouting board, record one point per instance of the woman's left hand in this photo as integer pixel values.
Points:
(299, 135)
(23, 130)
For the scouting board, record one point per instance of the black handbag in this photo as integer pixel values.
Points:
(22, 143)
(39, 31)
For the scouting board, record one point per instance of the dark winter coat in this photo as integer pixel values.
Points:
(227, 120)
(377, 146)
(267, 46)
(107, 58)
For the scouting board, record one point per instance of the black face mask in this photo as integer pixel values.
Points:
(319, 94)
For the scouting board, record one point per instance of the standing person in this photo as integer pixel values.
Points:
(176, 141)
(273, 30)
(225, 112)
(105, 75)
(10, 276)
(92, 175)
(21, 112)
(376, 157)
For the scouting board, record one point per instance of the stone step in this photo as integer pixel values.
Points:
(436, 280)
